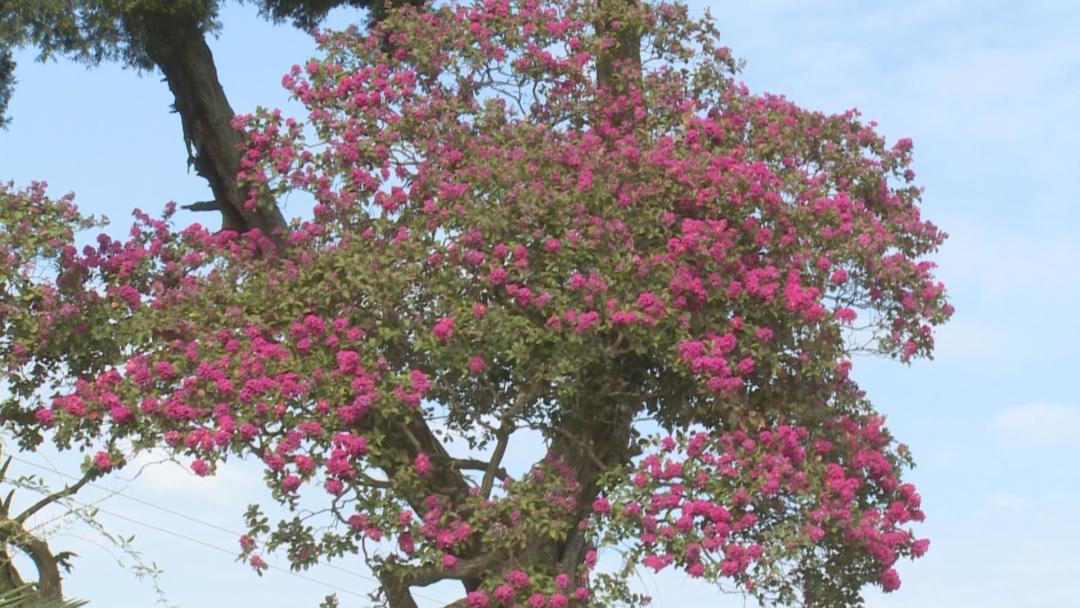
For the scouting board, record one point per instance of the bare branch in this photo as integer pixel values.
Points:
(506, 428)
(57, 495)
(466, 568)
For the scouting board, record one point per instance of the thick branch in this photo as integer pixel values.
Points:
(466, 568)
(493, 467)
(506, 428)
(178, 47)
(46, 564)
(55, 496)
(475, 464)
(396, 591)
(627, 51)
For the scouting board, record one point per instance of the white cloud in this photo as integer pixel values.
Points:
(1039, 423)
(232, 484)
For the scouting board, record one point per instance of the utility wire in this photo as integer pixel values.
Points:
(222, 549)
(116, 492)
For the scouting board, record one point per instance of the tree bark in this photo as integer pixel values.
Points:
(179, 50)
(48, 567)
(600, 435)
(9, 576)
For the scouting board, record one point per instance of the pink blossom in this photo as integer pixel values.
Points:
(889, 579)
(476, 365)
(103, 461)
(422, 464)
(258, 563)
(44, 416)
(443, 329)
(290, 483)
(504, 593)
(476, 599)
(518, 578)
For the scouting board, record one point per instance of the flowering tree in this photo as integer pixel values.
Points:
(565, 217)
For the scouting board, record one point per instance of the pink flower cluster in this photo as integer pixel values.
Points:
(676, 502)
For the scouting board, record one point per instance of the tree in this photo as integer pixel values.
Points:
(20, 534)
(25, 597)
(15, 533)
(7, 82)
(169, 36)
(564, 217)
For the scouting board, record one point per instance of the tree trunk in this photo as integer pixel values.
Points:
(9, 576)
(46, 564)
(600, 437)
(179, 50)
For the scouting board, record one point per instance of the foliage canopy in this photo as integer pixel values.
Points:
(562, 217)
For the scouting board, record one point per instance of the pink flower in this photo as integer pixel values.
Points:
(200, 467)
(476, 365)
(584, 180)
(44, 416)
(601, 506)
(164, 370)
(258, 563)
(590, 558)
(422, 464)
(845, 315)
(358, 522)
(444, 329)
(517, 578)
(476, 599)
(449, 562)
(102, 461)
(890, 580)
(290, 483)
(504, 593)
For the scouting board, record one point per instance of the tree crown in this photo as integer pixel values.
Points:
(564, 217)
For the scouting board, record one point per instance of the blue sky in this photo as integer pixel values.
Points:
(989, 92)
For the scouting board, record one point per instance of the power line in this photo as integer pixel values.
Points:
(135, 499)
(178, 534)
(221, 549)
(116, 492)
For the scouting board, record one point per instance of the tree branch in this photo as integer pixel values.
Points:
(466, 568)
(57, 495)
(37, 550)
(506, 428)
(178, 47)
